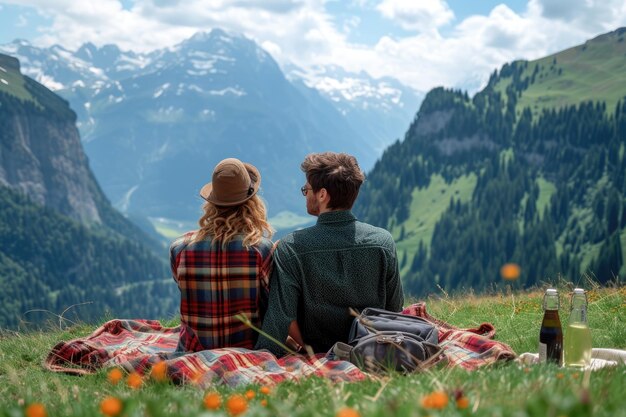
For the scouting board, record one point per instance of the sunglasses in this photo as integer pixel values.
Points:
(305, 190)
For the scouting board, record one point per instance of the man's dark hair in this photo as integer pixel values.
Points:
(338, 173)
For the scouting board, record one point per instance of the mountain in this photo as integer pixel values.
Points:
(377, 108)
(62, 244)
(531, 170)
(155, 124)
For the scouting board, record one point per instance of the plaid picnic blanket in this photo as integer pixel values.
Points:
(467, 348)
(137, 345)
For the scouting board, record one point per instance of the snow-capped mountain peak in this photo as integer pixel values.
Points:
(355, 90)
(149, 121)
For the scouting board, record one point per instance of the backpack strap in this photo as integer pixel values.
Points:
(341, 351)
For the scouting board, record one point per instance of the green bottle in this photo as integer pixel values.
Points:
(577, 345)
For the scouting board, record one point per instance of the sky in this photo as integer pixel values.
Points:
(423, 43)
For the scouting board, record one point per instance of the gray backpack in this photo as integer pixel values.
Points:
(382, 341)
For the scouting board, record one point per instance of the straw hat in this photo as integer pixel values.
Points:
(233, 183)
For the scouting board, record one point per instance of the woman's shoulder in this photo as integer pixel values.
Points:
(183, 240)
(265, 246)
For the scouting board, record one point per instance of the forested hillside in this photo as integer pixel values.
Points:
(518, 173)
(62, 245)
(50, 263)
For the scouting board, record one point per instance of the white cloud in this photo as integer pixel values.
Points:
(305, 33)
(476, 46)
(502, 30)
(420, 16)
(587, 15)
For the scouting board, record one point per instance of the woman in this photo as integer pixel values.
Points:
(222, 269)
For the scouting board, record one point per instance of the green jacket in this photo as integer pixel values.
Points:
(321, 272)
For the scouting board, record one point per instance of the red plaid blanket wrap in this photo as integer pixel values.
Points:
(137, 345)
(467, 348)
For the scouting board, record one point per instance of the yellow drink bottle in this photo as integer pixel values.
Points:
(577, 343)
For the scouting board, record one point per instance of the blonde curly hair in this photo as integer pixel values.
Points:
(224, 223)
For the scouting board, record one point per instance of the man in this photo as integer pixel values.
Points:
(339, 263)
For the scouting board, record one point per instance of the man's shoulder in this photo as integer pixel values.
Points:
(299, 235)
(375, 234)
(295, 241)
(372, 228)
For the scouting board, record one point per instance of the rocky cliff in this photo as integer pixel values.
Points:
(41, 154)
(62, 245)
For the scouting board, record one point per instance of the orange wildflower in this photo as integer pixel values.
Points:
(36, 410)
(575, 375)
(265, 390)
(510, 271)
(347, 412)
(436, 400)
(236, 404)
(559, 375)
(159, 371)
(264, 402)
(212, 401)
(115, 375)
(111, 406)
(462, 403)
(250, 394)
(134, 380)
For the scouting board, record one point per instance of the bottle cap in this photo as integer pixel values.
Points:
(579, 291)
(551, 291)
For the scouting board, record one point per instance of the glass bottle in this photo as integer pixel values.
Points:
(577, 348)
(551, 334)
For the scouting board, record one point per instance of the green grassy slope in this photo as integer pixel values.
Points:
(427, 206)
(11, 81)
(594, 71)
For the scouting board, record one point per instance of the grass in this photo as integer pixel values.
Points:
(12, 82)
(546, 190)
(507, 389)
(427, 206)
(590, 72)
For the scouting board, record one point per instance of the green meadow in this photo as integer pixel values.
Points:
(505, 389)
(427, 206)
(593, 71)
(13, 83)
